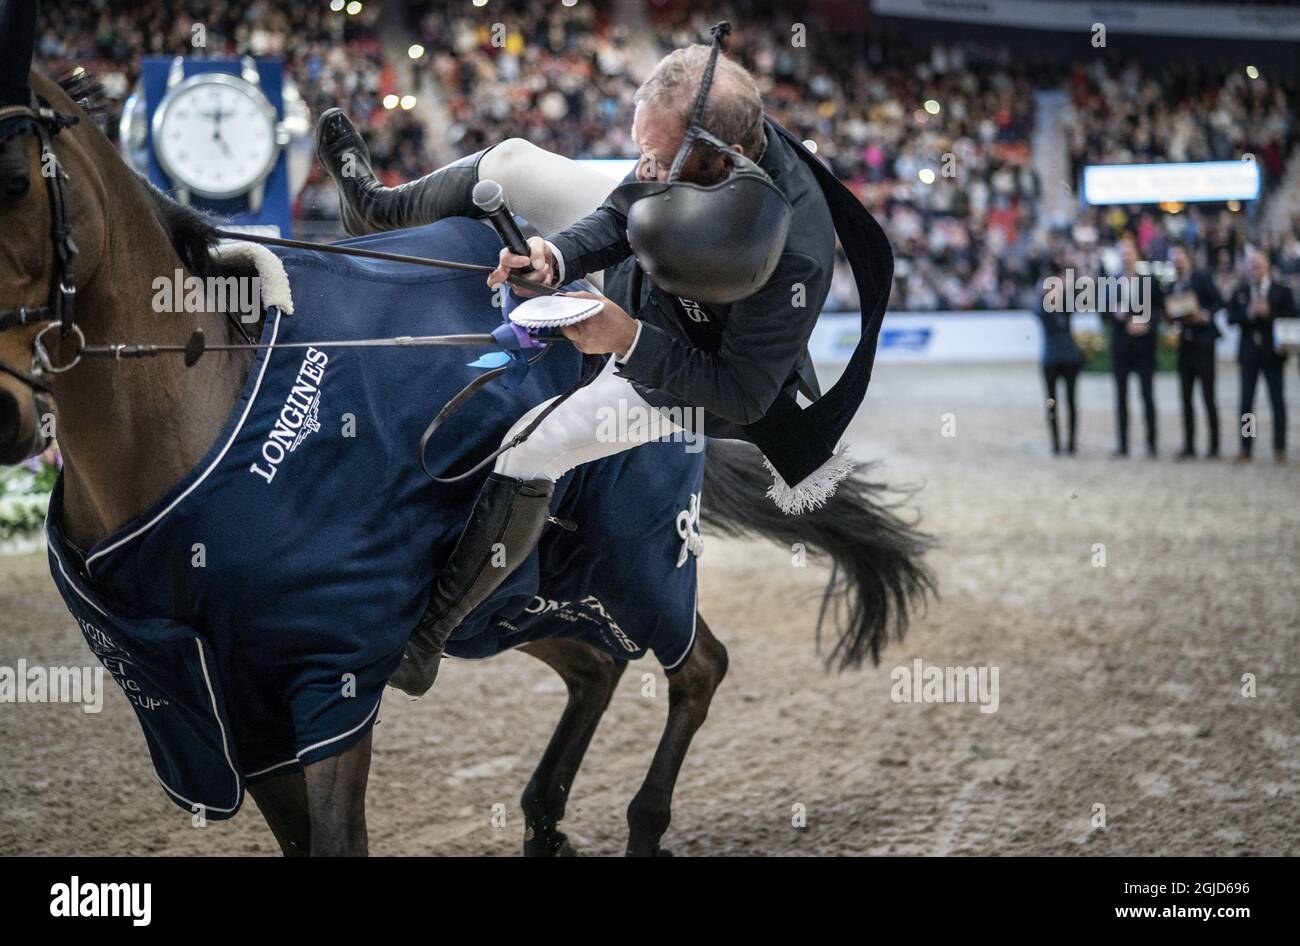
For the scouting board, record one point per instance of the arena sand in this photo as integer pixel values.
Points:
(1119, 686)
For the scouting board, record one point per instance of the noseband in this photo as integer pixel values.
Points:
(39, 117)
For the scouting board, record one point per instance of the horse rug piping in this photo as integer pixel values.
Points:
(253, 616)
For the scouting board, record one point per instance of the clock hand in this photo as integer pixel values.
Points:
(216, 117)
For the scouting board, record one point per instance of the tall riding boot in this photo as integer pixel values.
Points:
(368, 206)
(508, 518)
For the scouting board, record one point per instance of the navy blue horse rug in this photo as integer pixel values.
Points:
(253, 616)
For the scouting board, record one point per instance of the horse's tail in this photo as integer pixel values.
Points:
(878, 574)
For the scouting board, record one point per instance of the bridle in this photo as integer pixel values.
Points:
(40, 118)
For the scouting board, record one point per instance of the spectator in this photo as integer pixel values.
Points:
(1191, 304)
(1254, 305)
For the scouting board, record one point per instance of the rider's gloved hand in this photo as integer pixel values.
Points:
(545, 268)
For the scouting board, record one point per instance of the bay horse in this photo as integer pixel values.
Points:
(130, 431)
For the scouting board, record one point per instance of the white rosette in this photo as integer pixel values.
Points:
(542, 312)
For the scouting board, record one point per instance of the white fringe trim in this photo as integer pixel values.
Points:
(270, 271)
(814, 489)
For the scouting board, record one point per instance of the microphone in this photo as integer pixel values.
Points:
(490, 198)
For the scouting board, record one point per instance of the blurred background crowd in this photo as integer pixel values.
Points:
(937, 138)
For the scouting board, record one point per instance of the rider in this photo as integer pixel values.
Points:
(721, 241)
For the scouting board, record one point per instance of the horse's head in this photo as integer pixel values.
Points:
(46, 173)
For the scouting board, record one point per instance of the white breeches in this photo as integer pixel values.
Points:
(549, 191)
(606, 417)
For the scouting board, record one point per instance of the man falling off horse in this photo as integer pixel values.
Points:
(717, 252)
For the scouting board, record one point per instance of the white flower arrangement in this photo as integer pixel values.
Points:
(21, 520)
(24, 498)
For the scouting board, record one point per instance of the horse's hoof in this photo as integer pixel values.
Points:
(556, 844)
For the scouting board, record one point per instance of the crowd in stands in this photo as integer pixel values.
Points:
(556, 75)
(1125, 112)
(561, 77)
(935, 141)
(966, 238)
(334, 59)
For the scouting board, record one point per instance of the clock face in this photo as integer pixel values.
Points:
(215, 134)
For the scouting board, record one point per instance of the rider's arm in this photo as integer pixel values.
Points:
(597, 241)
(762, 343)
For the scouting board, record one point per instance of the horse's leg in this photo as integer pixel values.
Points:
(690, 690)
(283, 803)
(591, 676)
(336, 800)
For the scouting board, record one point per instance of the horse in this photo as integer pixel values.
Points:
(131, 432)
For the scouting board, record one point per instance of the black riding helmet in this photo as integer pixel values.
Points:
(713, 243)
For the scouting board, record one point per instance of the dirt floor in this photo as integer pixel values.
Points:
(1119, 685)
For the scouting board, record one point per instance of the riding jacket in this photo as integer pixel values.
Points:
(731, 360)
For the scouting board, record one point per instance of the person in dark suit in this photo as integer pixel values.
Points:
(1255, 303)
(1191, 302)
(1134, 335)
(1062, 361)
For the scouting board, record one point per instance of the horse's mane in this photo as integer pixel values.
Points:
(87, 91)
(192, 234)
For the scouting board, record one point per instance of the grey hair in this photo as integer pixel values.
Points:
(734, 111)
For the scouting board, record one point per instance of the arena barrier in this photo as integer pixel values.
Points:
(1005, 336)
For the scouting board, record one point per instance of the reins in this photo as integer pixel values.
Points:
(518, 281)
